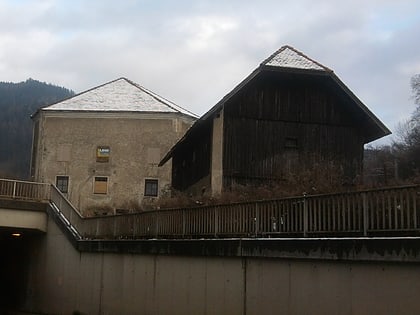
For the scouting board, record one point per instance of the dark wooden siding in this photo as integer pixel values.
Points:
(191, 160)
(280, 124)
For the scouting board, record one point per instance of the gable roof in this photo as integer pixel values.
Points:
(288, 59)
(120, 95)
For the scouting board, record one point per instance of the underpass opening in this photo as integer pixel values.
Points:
(15, 259)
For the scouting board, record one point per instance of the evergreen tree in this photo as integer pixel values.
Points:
(18, 101)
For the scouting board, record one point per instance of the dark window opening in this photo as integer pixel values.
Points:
(151, 187)
(62, 183)
(291, 142)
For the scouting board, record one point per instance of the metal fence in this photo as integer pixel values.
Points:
(24, 190)
(388, 211)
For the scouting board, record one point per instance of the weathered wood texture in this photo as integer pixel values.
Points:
(192, 161)
(281, 124)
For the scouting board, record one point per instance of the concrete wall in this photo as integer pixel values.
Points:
(67, 144)
(20, 215)
(62, 280)
(23, 219)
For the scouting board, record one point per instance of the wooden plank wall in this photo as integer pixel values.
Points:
(191, 161)
(277, 125)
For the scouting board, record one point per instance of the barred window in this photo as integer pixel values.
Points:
(62, 183)
(151, 187)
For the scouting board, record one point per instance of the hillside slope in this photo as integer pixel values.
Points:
(18, 101)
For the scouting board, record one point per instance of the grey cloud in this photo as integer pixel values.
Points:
(194, 52)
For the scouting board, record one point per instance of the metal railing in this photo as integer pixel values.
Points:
(66, 211)
(388, 211)
(24, 190)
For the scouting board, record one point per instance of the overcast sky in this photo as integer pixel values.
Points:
(194, 52)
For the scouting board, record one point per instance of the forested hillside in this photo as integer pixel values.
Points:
(18, 101)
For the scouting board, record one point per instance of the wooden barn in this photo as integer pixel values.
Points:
(289, 114)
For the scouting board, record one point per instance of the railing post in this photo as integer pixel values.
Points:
(256, 219)
(305, 217)
(14, 190)
(156, 223)
(415, 208)
(184, 223)
(216, 221)
(365, 215)
(114, 228)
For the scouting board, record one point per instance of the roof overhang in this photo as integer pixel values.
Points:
(377, 129)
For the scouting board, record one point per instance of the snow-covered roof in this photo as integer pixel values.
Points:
(121, 95)
(289, 57)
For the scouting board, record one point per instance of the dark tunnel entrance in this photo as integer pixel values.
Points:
(16, 248)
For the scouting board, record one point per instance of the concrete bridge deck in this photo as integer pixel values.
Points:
(17, 216)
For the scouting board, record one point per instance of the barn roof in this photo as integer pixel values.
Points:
(288, 57)
(120, 95)
(289, 60)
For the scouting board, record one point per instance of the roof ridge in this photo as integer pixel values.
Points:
(120, 94)
(264, 62)
(84, 92)
(298, 52)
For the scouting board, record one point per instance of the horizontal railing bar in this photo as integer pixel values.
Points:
(25, 190)
(23, 181)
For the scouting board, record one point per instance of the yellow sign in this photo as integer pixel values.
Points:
(102, 154)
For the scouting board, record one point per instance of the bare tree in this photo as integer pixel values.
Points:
(406, 146)
(415, 87)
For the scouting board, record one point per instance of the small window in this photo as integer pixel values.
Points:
(62, 183)
(291, 142)
(151, 187)
(101, 185)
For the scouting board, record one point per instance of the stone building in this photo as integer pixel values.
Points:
(102, 147)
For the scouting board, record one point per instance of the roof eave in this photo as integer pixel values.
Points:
(115, 111)
(384, 131)
(295, 70)
(158, 98)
